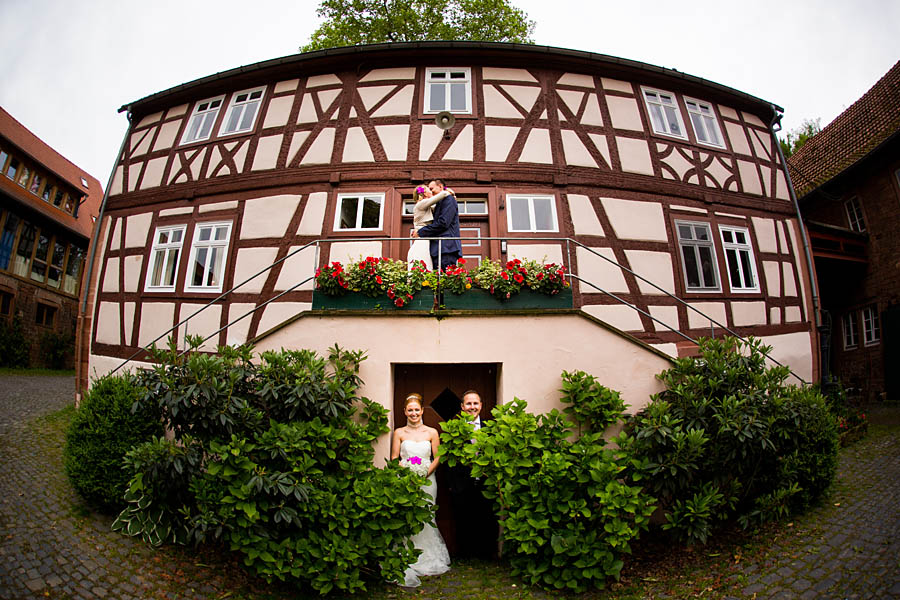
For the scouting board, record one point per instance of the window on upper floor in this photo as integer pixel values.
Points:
(55, 270)
(4, 156)
(8, 239)
(448, 89)
(24, 249)
(41, 258)
(24, 176)
(739, 259)
(242, 112)
(530, 214)
(202, 120)
(871, 326)
(12, 167)
(851, 334)
(36, 182)
(665, 116)
(698, 256)
(358, 212)
(74, 264)
(704, 122)
(164, 257)
(855, 214)
(209, 249)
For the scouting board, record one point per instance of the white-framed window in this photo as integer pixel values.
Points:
(665, 117)
(209, 250)
(202, 120)
(242, 111)
(851, 334)
(358, 212)
(739, 259)
(855, 214)
(698, 256)
(164, 257)
(448, 89)
(704, 122)
(530, 214)
(871, 326)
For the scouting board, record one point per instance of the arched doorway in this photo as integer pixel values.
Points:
(442, 387)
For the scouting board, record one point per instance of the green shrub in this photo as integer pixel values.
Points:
(728, 439)
(13, 347)
(275, 460)
(567, 517)
(56, 348)
(102, 431)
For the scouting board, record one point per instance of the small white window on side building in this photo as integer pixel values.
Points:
(358, 212)
(202, 120)
(851, 334)
(871, 326)
(739, 259)
(448, 89)
(704, 122)
(665, 116)
(242, 112)
(209, 251)
(164, 257)
(531, 214)
(698, 256)
(855, 214)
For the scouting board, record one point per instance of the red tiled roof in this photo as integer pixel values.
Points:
(851, 136)
(51, 160)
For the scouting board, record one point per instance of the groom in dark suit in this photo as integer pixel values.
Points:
(476, 526)
(444, 225)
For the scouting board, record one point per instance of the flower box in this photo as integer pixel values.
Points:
(526, 299)
(422, 300)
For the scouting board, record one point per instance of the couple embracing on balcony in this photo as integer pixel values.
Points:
(435, 215)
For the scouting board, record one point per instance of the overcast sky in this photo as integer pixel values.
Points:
(67, 66)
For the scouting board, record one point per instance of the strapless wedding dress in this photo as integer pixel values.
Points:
(435, 559)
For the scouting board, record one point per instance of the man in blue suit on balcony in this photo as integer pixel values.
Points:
(444, 225)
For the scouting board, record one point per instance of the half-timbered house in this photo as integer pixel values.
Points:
(661, 193)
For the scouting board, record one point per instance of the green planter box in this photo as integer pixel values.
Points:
(526, 299)
(423, 300)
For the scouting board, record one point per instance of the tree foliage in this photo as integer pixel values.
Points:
(355, 22)
(798, 136)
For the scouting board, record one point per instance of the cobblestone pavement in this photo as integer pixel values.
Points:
(51, 547)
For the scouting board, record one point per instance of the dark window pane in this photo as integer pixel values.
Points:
(199, 267)
(733, 268)
(708, 267)
(371, 217)
(748, 270)
(348, 213)
(691, 270)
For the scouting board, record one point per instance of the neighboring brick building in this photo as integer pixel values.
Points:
(847, 179)
(47, 210)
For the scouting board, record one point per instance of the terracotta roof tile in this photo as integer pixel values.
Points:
(851, 136)
(50, 160)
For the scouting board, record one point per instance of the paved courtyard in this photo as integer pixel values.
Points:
(52, 547)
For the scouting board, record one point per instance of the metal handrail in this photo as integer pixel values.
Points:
(567, 264)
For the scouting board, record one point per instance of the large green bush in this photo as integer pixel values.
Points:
(13, 346)
(567, 516)
(275, 460)
(729, 439)
(102, 431)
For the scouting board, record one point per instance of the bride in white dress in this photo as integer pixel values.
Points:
(416, 445)
(423, 214)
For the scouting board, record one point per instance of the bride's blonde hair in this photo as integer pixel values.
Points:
(420, 192)
(417, 398)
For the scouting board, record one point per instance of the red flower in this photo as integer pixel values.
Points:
(378, 279)
(390, 293)
(518, 278)
(335, 273)
(507, 294)
(399, 301)
(505, 275)
(540, 276)
(461, 261)
(408, 295)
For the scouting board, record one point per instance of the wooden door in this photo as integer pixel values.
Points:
(442, 387)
